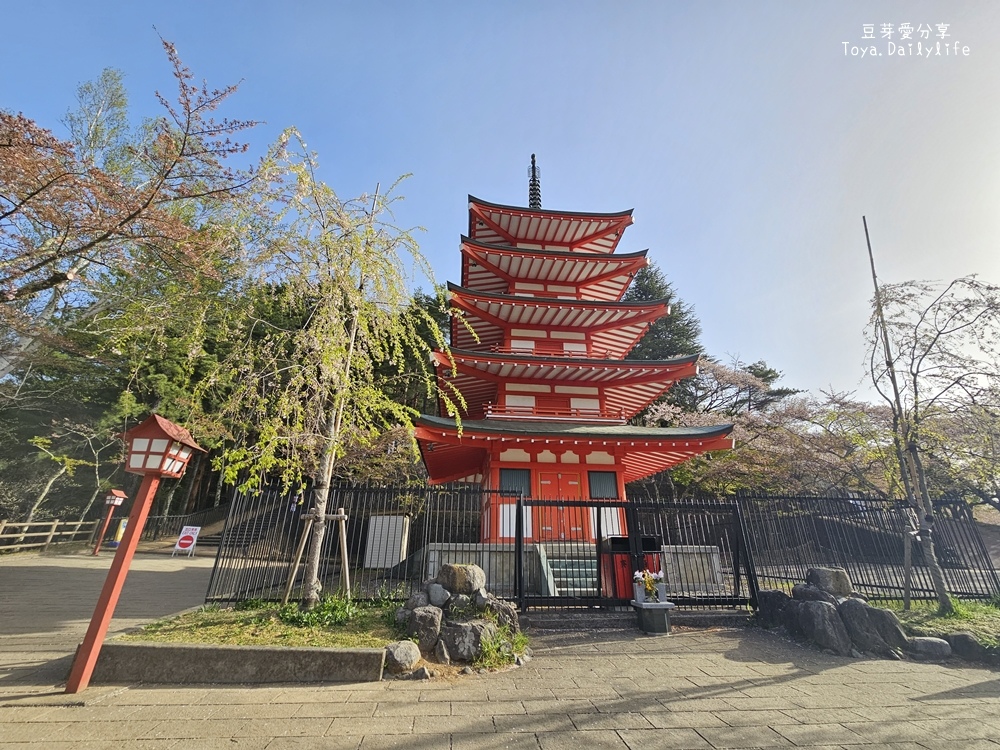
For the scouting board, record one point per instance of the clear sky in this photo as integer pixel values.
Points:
(746, 136)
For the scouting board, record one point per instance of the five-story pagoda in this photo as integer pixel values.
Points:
(544, 376)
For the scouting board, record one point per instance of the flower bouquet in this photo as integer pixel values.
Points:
(647, 585)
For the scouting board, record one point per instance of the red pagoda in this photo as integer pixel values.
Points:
(547, 387)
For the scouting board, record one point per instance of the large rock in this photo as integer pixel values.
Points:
(417, 599)
(770, 605)
(929, 649)
(967, 647)
(504, 612)
(425, 626)
(461, 579)
(438, 594)
(831, 580)
(888, 627)
(805, 592)
(464, 639)
(863, 633)
(402, 656)
(822, 625)
(791, 616)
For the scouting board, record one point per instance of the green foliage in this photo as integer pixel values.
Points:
(331, 611)
(501, 649)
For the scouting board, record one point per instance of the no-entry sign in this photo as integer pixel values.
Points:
(187, 541)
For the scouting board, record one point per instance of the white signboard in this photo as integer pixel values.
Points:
(187, 541)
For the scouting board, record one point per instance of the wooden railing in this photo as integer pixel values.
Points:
(542, 352)
(16, 536)
(553, 414)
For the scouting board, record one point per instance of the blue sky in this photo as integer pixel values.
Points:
(746, 138)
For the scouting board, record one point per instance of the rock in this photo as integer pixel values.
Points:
(505, 613)
(417, 599)
(438, 594)
(770, 604)
(805, 592)
(821, 624)
(481, 596)
(422, 674)
(403, 615)
(425, 625)
(461, 579)
(864, 635)
(401, 657)
(831, 580)
(791, 616)
(966, 646)
(468, 670)
(888, 627)
(441, 653)
(460, 605)
(464, 639)
(929, 649)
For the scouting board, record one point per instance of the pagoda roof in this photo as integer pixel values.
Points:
(628, 386)
(612, 327)
(494, 268)
(542, 228)
(451, 455)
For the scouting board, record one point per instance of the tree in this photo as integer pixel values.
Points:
(326, 318)
(933, 355)
(71, 213)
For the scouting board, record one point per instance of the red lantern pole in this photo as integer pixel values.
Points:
(104, 529)
(86, 655)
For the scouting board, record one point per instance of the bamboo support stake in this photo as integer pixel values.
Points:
(345, 574)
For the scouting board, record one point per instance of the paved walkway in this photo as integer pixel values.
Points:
(696, 689)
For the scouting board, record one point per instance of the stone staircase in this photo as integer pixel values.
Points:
(573, 576)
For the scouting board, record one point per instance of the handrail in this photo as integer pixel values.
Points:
(590, 354)
(544, 412)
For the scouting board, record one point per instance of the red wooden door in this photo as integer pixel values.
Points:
(557, 521)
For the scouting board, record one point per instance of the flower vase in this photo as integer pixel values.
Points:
(639, 592)
(661, 592)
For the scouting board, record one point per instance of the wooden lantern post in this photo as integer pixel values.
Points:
(156, 448)
(112, 500)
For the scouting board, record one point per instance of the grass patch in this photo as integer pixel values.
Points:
(982, 619)
(500, 650)
(334, 623)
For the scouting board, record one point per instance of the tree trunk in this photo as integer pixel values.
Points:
(39, 500)
(945, 606)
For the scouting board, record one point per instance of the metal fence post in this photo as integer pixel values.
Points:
(519, 552)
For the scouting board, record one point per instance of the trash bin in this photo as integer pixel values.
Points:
(617, 570)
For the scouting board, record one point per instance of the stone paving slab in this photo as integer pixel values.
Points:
(702, 690)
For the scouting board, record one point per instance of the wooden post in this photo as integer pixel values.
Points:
(86, 655)
(52, 533)
(345, 574)
(298, 556)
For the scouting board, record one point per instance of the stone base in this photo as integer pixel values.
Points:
(654, 617)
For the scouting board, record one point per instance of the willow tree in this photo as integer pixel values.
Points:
(326, 311)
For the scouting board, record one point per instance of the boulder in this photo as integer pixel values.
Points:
(887, 625)
(805, 592)
(966, 646)
(791, 616)
(438, 594)
(481, 596)
(464, 639)
(928, 649)
(460, 606)
(425, 626)
(461, 579)
(831, 580)
(417, 599)
(403, 615)
(822, 625)
(505, 613)
(854, 614)
(441, 653)
(770, 604)
(402, 656)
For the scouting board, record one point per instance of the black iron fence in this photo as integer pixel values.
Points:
(868, 537)
(540, 552)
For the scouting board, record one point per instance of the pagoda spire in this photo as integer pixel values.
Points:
(534, 185)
